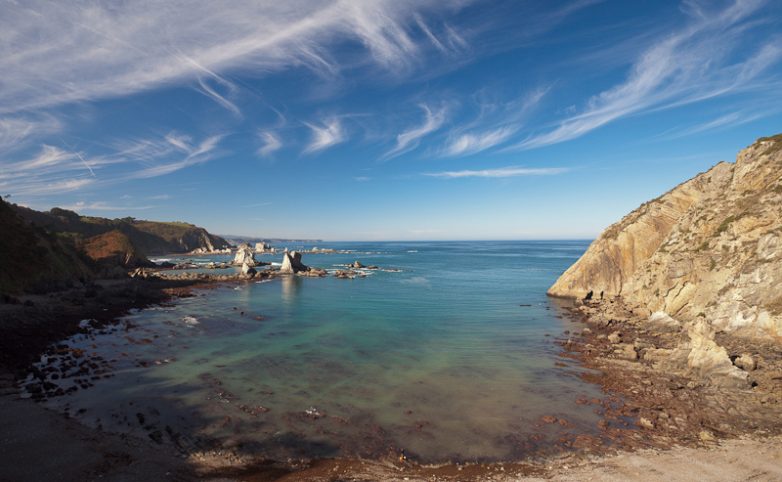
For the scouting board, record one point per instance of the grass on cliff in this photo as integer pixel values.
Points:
(34, 259)
(776, 143)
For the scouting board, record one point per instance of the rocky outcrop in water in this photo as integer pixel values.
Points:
(291, 263)
(263, 247)
(709, 250)
(244, 255)
(248, 270)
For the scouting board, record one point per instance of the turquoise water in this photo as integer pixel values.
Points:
(438, 359)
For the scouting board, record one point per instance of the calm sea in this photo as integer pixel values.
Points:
(450, 358)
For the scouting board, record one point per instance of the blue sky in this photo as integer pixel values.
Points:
(379, 120)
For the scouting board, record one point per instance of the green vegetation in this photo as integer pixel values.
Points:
(147, 237)
(34, 259)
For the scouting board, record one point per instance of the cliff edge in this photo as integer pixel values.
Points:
(709, 249)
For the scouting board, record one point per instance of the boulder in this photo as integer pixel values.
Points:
(244, 255)
(356, 265)
(291, 263)
(707, 360)
(626, 351)
(248, 270)
(662, 320)
(746, 362)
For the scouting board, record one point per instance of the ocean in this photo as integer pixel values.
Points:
(447, 355)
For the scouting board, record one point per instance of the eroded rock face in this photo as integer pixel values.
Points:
(263, 248)
(291, 263)
(709, 248)
(710, 361)
(244, 255)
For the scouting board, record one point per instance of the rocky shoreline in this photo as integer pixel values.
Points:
(676, 400)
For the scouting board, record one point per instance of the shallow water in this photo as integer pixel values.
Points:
(439, 359)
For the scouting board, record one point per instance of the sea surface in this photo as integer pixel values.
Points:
(449, 355)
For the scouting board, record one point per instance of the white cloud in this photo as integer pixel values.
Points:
(499, 173)
(56, 170)
(15, 131)
(53, 53)
(721, 122)
(471, 143)
(690, 65)
(498, 122)
(329, 133)
(82, 206)
(195, 154)
(408, 139)
(271, 143)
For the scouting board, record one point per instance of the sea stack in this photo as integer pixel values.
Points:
(244, 255)
(291, 263)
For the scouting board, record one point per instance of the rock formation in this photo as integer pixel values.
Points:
(291, 263)
(710, 249)
(148, 237)
(263, 247)
(248, 270)
(244, 255)
(114, 248)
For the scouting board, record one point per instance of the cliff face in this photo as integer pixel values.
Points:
(709, 249)
(147, 237)
(33, 259)
(113, 248)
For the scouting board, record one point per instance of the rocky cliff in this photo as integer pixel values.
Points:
(34, 259)
(710, 249)
(147, 237)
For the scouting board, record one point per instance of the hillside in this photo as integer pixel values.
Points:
(33, 259)
(147, 237)
(113, 248)
(709, 249)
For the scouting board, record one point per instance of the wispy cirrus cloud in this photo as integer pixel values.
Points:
(54, 53)
(327, 133)
(271, 143)
(695, 63)
(408, 140)
(16, 131)
(470, 143)
(511, 171)
(724, 121)
(55, 169)
(82, 206)
(495, 124)
(194, 153)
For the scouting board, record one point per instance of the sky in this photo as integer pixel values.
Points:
(379, 120)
